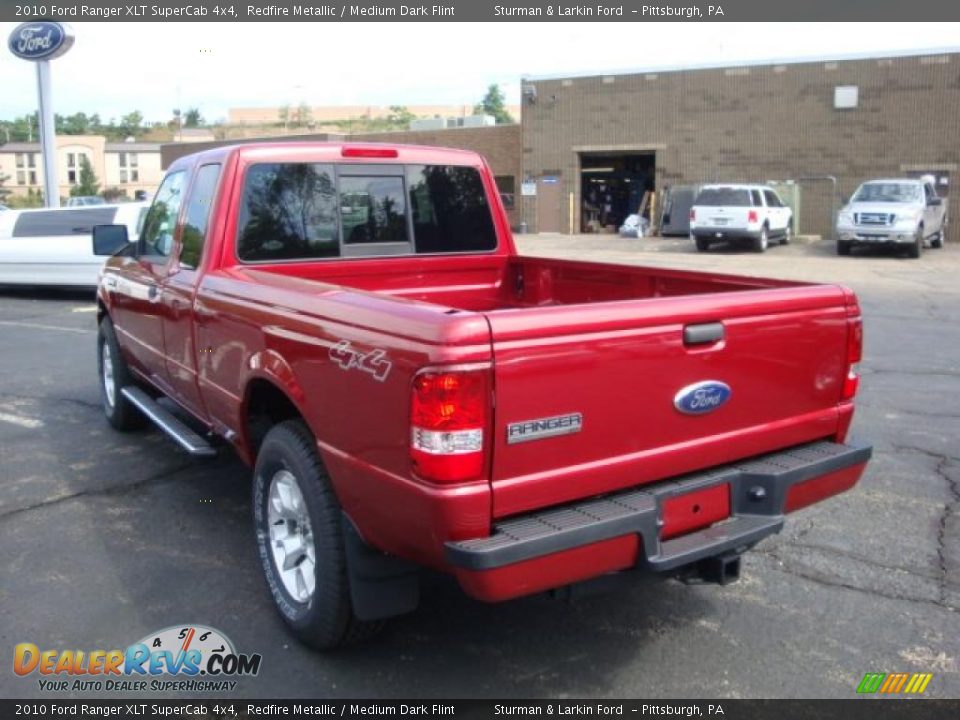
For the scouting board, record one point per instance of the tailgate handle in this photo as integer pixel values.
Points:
(703, 334)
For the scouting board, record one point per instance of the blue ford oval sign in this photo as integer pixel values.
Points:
(701, 397)
(42, 40)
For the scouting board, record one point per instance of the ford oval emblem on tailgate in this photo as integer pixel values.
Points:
(702, 397)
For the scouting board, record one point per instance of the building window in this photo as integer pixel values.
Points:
(72, 168)
(21, 160)
(123, 177)
(134, 175)
(33, 177)
(21, 177)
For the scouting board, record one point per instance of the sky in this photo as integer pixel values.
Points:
(115, 68)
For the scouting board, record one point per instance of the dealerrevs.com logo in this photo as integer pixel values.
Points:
(188, 658)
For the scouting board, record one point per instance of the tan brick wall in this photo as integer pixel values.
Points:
(755, 124)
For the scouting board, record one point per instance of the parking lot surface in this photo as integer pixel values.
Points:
(107, 538)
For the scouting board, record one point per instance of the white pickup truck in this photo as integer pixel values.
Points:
(752, 213)
(899, 211)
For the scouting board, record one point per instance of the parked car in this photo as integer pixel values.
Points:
(85, 201)
(901, 211)
(52, 246)
(751, 213)
(417, 393)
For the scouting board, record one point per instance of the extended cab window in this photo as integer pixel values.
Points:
(450, 210)
(198, 215)
(289, 211)
(157, 235)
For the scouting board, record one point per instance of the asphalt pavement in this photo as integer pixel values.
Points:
(107, 537)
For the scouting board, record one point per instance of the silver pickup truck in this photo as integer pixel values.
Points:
(901, 211)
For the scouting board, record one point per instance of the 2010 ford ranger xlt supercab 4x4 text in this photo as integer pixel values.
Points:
(356, 322)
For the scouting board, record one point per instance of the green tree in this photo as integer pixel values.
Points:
(303, 115)
(400, 117)
(131, 123)
(87, 183)
(192, 118)
(493, 104)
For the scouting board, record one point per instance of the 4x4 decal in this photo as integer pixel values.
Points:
(374, 362)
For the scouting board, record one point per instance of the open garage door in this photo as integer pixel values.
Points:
(612, 185)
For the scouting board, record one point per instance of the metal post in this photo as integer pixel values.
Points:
(48, 137)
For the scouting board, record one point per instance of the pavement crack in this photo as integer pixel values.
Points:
(826, 581)
(949, 508)
(158, 478)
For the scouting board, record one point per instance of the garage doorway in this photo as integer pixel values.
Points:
(612, 185)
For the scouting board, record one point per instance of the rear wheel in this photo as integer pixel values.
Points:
(761, 243)
(300, 542)
(787, 235)
(114, 376)
(703, 244)
(915, 249)
(843, 247)
(938, 241)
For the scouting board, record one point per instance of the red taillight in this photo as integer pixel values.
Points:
(693, 214)
(448, 417)
(752, 216)
(368, 152)
(854, 354)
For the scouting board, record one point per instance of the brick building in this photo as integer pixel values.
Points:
(607, 138)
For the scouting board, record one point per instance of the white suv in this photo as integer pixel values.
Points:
(752, 213)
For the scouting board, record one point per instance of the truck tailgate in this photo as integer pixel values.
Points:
(620, 366)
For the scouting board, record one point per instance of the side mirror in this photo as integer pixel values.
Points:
(109, 239)
(934, 202)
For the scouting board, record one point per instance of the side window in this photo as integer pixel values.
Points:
(156, 239)
(373, 210)
(449, 209)
(289, 212)
(772, 199)
(757, 199)
(198, 215)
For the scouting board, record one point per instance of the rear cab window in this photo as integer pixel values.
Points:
(724, 197)
(62, 223)
(307, 211)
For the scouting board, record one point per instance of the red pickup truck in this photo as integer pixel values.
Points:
(355, 321)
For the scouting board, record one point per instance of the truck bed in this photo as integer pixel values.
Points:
(496, 283)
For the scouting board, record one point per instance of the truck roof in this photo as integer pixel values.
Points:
(337, 152)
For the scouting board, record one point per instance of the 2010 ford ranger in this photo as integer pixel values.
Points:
(356, 322)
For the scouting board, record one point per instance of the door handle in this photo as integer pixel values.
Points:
(703, 333)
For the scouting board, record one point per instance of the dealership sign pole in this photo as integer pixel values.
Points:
(41, 42)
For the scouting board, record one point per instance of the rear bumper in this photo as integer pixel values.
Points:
(573, 542)
(725, 233)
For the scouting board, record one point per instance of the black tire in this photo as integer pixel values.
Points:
(787, 234)
(843, 247)
(915, 249)
(120, 412)
(761, 243)
(325, 620)
(703, 244)
(938, 241)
